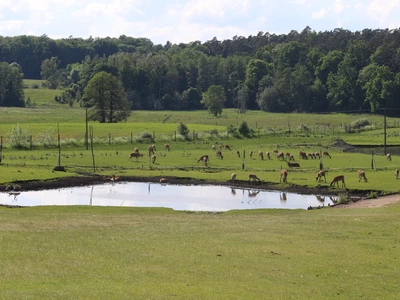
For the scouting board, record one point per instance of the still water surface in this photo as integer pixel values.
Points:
(177, 197)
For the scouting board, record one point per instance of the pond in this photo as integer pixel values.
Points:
(177, 197)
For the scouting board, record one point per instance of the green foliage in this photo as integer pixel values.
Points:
(372, 195)
(214, 99)
(244, 129)
(343, 198)
(46, 137)
(107, 99)
(360, 123)
(183, 129)
(19, 138)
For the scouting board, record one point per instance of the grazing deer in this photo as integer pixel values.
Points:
(268, 155)
(261, 155)
(202, 158)
(316, 154)
(361, 175)
(227, 147)
(166, 146)
(325, 153)
(303, 155)
(280, 155)
(163, 180)
(291, 157)
(136, 150)
(233, 177)
(219, 154)
(276, 151)
(205, 160)
(293, 164)
(153, 158)
(311, 155)
(135, 154)
(396, 173)
(320, 174)
(337, 179)
(251, 154)
(283, 177)
(389, 157)
(151, 149)
(253, 177)
(213, 147)
(238, 153)
(287, 154)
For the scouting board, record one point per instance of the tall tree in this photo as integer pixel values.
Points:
(106, 97)
(11, 85)
(214, 99)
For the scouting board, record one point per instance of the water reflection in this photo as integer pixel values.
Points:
(193, 198)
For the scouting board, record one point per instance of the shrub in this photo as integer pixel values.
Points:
(46, 137)
(343, 198)
(19, 138)
(182, 129)
(244, 129)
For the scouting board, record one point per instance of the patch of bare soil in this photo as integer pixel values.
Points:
(370, 203)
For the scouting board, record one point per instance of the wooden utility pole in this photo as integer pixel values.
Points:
(384, 131)
(87, 134)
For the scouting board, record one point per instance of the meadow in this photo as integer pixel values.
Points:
(84, 252)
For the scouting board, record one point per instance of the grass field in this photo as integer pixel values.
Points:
(143, 253)
(85, 252)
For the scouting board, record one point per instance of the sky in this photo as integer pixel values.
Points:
(180, 21)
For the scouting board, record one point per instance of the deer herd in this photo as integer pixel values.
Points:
(289, 158)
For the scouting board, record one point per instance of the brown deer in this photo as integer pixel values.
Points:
(163, 180)
(253, 177)
(166, 146)
(268, 155)
(151, 149)
(261, 155)
(320, 174)
(205, 160)
(361, 175)
(213, 147)
(283, 177)
(251, 154)
(337, 179)
(280, 155)
(135, 154)
(153, 158)
(291, 157)
(303, 155)
(238, 153)
(316, 154)
(325, 153)
(202, 158)
(227, 147)
(389, 157)
(233, 177)
(136, 150)
(218, 153)
(396, 173)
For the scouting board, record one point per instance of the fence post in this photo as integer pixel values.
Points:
(131, 138)
(109, 138)
(1, 148)
(30, 142)
(193, 135)
(175, 136)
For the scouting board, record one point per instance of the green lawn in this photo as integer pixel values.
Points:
(143, 253)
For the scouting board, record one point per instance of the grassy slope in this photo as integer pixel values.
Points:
(125, 253)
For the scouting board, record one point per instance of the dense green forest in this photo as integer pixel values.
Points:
(310, 71)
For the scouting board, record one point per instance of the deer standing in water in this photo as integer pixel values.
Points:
(337, 179)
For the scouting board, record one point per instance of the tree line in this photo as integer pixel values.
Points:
(305, 71)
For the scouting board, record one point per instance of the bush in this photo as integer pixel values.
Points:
(360, 123)
(182, 129)
(343, 198)
(19, 138)
(244, 129)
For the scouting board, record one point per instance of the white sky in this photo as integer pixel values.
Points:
(180, 21)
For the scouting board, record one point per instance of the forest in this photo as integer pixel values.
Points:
(307, 71)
